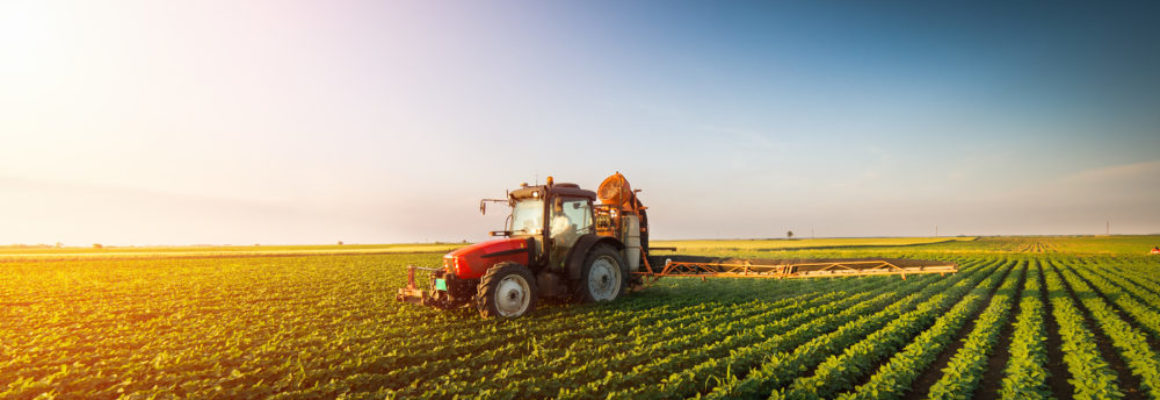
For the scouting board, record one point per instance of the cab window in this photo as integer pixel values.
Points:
(571, 216)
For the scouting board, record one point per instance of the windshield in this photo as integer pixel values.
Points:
(528, 217)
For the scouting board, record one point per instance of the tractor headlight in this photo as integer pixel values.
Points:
(460, 266)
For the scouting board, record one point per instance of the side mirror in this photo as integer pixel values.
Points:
(483, 204)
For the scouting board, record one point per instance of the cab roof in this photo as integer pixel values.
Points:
(559, 189)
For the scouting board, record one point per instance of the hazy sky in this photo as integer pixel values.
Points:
(165, 122)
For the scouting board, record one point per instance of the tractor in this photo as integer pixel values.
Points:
(559, 242)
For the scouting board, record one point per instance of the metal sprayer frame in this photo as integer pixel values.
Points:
(827, 269)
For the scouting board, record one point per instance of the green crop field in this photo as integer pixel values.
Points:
(1025, 318)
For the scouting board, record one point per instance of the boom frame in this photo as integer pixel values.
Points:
(820, 269)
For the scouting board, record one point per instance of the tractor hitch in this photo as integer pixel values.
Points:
(440, 284)
(412, 293)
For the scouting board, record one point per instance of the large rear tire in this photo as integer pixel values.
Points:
(643, 236)
(507, 290)
(603, 276)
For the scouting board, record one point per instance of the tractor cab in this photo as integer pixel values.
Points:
(558, 242)
(553, 217)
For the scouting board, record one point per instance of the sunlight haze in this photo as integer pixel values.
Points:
(145, 122)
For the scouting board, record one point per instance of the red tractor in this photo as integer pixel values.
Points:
(559, 243)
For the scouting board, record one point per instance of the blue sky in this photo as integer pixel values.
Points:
(306, 122)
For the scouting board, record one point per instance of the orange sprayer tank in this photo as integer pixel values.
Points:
(616, 191)
(624, 211)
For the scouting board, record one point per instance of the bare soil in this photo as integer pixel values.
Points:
(1001, 354)
(1129, 384)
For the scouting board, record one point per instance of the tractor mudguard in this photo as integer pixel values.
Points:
(581, 248)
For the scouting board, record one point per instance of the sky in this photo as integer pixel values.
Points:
(287, 122)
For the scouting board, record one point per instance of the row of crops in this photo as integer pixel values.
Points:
(1006, 326)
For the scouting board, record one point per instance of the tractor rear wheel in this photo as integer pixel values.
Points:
(507, 290)
(603, 276)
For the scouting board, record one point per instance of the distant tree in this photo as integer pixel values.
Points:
(98, 246)
(340, 243)
(789, 234)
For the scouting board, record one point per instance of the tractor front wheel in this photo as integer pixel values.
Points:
(603, 276)
(507, 290)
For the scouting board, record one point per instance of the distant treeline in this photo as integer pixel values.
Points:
(31, 246)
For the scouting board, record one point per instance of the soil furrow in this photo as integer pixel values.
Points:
(1000, 354)
(1152, 340)
(1129, 384)
(1059, 375)
(921, 386)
